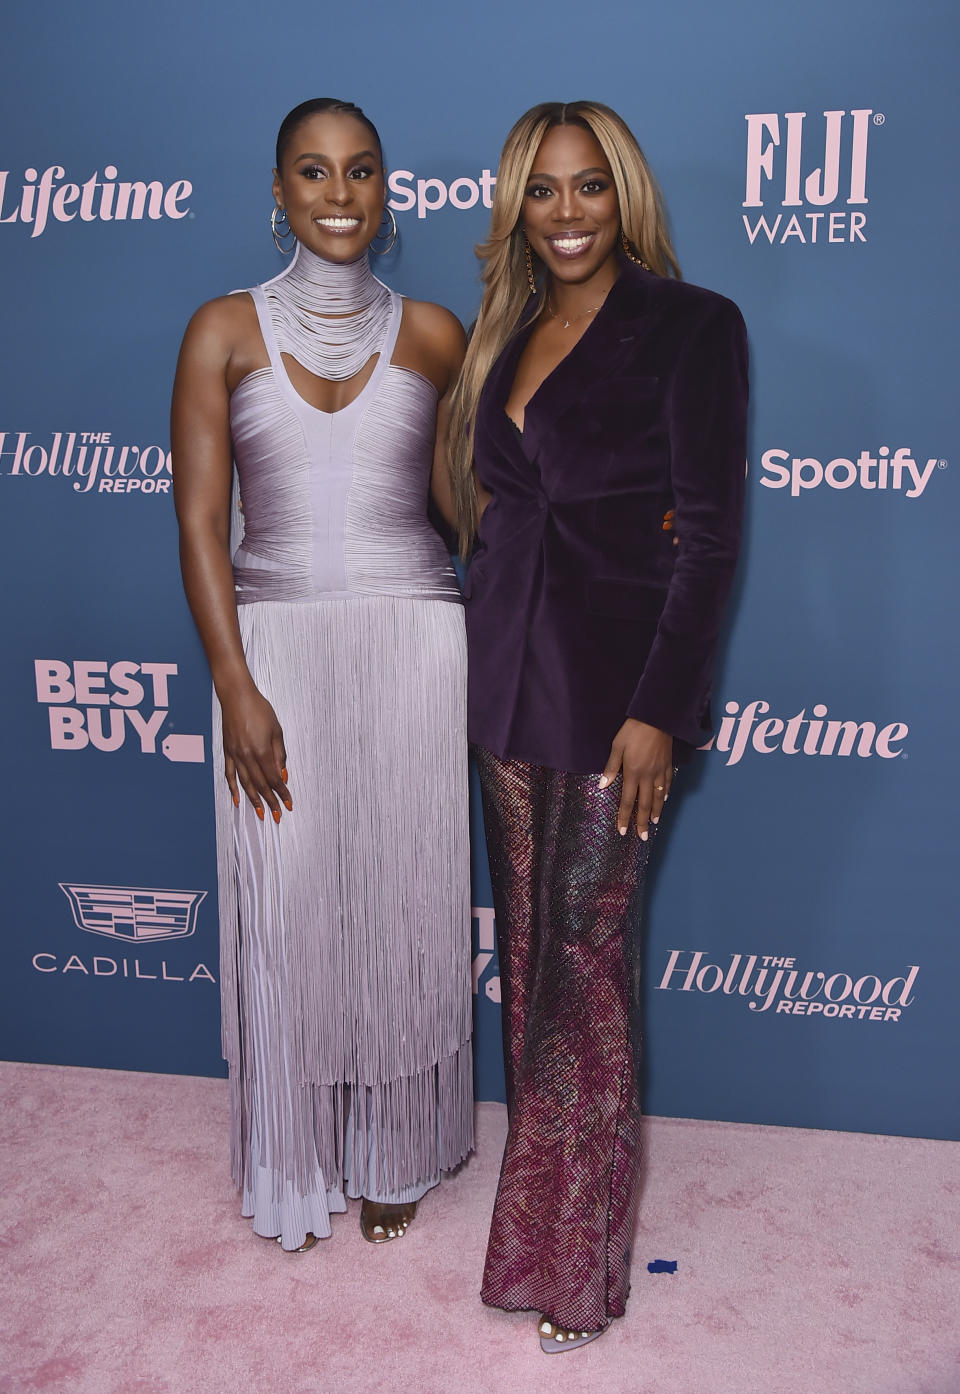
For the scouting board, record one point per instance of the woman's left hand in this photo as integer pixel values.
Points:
(645, 754)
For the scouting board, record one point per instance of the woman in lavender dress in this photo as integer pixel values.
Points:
(335, 638)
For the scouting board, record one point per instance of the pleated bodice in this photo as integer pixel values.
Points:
(335, 503)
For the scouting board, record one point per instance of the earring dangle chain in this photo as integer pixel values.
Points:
(628, 248)
(392, 235)
(528, 258)
(279, 215)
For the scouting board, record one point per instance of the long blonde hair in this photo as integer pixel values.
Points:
(504, 274)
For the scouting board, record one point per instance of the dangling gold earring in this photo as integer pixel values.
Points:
(628, 248)
(531, 279)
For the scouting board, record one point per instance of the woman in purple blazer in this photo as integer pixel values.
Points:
(599, 433)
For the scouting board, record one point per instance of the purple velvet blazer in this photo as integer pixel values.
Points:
(580, 610)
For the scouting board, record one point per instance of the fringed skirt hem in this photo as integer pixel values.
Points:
(345, 928)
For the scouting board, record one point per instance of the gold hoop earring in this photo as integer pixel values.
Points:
(628, 248)
(528, 257)
(280, 215)
(382, 251)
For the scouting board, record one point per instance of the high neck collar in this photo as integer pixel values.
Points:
(340, 288)
(331, 316)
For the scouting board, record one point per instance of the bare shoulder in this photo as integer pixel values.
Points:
(435, 322)
(222, 321)
(223, 338)
(432, 341)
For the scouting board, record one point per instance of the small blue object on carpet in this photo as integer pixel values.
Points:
(662, 1265)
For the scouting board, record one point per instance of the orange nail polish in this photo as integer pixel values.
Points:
(276, 814)
(288, 804)
(283, 775)
(236, 800)
(259, 812)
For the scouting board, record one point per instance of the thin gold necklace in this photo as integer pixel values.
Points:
(566, 323)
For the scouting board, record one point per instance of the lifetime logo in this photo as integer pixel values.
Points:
(45, 195)
(899, 471)
(95, 703)
(751, 729)
(87, 458)
(767, 981)
(831, 180)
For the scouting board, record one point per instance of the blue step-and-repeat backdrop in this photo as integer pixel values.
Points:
(803, 959)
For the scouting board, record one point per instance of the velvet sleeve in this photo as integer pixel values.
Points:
(707, 422)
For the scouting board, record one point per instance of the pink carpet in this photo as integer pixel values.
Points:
(807, 1261)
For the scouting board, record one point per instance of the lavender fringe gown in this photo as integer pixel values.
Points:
(345, 948)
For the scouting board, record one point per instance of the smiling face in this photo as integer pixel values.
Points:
(332, 185)
(571, 213)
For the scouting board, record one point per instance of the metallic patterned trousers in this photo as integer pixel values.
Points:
(567, 892)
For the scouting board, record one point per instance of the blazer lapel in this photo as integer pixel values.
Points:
(605, 350)
(497, 390)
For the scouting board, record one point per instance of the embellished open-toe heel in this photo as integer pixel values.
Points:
(554, 1339)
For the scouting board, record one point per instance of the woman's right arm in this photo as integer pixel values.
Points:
(254, 755)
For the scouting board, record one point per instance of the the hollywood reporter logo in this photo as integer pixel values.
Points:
(91, 460)
(94, 703)
(768, 983)
(778, 172)
(51, 195)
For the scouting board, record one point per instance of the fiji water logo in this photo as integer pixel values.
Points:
(134, 913)
(768, 983)
(94, 703)
(750, 728)
(791, 166)
(897, 470)
(51, 195)
(89, 460)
